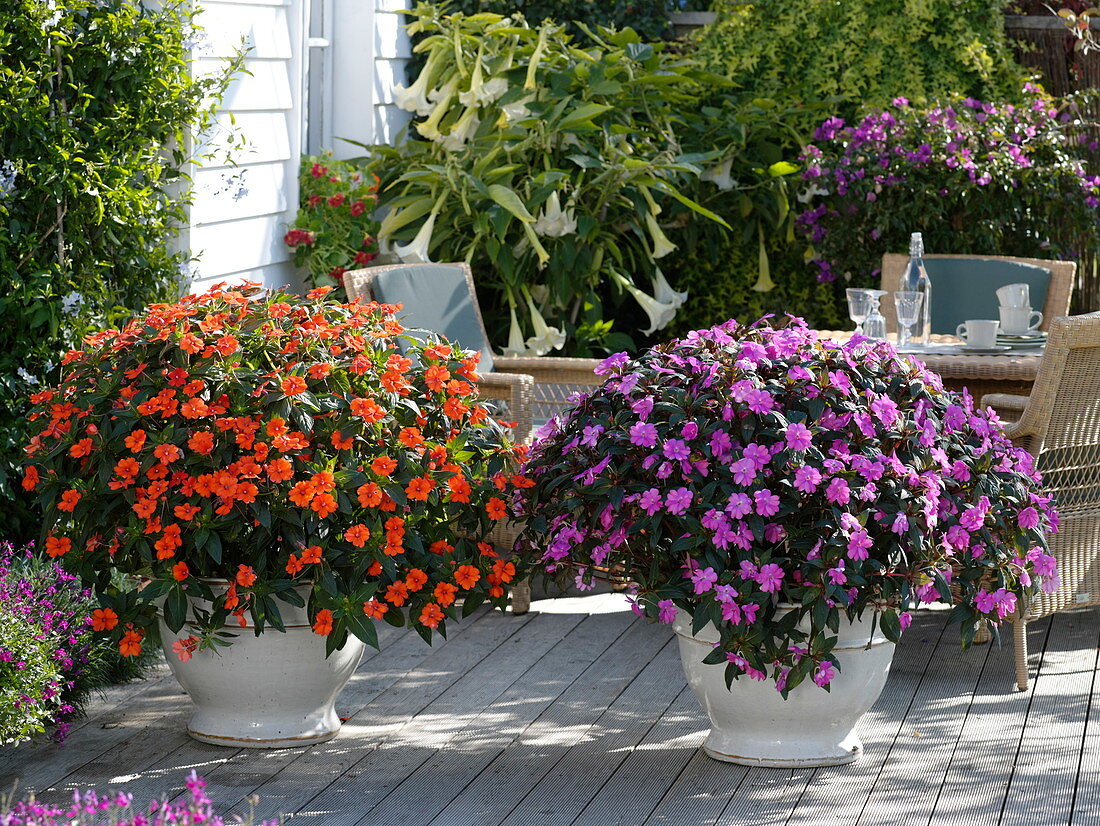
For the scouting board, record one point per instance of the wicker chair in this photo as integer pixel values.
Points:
(1059, 424)
(534, 388)
(1059, 287)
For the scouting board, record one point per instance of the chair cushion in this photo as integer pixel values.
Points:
(435, 297)
(965, 288)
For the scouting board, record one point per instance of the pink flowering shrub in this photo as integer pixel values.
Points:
(92, 809)
(976, 177)
(744, 468)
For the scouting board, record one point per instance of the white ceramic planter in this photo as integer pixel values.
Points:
(272, 691)
(753, 725)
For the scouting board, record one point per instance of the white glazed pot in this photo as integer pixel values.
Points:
(272, 691)
(753, 725)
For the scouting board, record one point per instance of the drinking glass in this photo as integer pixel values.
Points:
(908, 306)
(874, 325)
(859, 304)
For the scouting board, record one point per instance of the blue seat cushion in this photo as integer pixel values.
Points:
(965, 288)
(435, 297)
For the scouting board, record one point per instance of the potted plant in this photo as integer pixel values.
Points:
(256, 461)
(785, 501)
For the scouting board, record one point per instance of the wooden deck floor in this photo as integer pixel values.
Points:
(578, 714)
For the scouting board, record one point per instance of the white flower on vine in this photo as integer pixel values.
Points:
(414, 99)
(664, 293)
(416, 250)
(809, 193)
(720, 175)
(546, 338)
(553, 221)
(463, 130)
(516, 347)
(517, 110)
(661, 245)
(429, 129)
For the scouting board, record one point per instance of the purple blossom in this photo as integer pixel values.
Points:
(643, 434)
(767, 503)
(806, 479)
(678, 500)
(770, 578)
(676, 450)
(651, 501)
(666, 611)
(798, 437)
(703, 579)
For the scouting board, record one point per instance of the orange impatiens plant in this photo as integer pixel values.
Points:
(239, 443)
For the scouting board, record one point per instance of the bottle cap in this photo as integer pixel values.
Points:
(916, 244)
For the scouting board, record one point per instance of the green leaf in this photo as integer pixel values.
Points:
(175, 609)
(511, 202)
(583, 114)
(782, 168)
(362, 627)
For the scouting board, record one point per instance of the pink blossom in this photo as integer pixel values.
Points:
(703, 579)
(859, 543)
(838, 492)
(767, 503)
(798, 436)
(676, 450)
(643, 434)
(666, 612)
(770, 578)
(824, 674)
(806, 479)
(651, 501)
(739, 505)
(678, 500)
(1028, 518)
(905, 619)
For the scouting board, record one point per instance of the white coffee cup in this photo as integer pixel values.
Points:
(1014, 295)
(979, 334)
(1017, 320)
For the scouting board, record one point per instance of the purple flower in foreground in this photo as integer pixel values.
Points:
(643, 434)
(806, 479)
(651, 501)
(770, 578)
(678, 500)
(676, 450)
(703, 579)
(666, 611)
(798, 436)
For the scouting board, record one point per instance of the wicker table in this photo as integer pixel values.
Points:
(1006, 373)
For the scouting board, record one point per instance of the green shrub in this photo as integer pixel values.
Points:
(96, 95)
(30, 680)
(862, 52)
(647, 17)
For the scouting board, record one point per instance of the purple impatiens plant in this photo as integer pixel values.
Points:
(92, 808)
(745, 468)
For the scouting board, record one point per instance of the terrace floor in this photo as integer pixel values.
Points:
(577, 713)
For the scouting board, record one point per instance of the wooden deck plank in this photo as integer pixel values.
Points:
(490, 798)
(416, 730)
(974, 788)
(837, 794)
(1042, 782)
(1086, 801)
(377, 702)
(917, 763)
(564, 791)
(632, 793)
(698, 796)
(165, 754)
(431, 787)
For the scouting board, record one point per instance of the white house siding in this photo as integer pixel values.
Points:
(370, 49)
(241, 210)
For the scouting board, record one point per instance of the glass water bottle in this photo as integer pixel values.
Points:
(916, 280)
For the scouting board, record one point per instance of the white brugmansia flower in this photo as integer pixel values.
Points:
(517, 110)
(664, 293)
(661, 245)
(482, 92)
(720, 175)
(416, 250)
(660, 313)
(462, 131)
(809, 193)
(553, 221)
(546, 338)
(516, 347)
(413, 99)
(429, 129)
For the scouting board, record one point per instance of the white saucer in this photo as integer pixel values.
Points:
(984, 351)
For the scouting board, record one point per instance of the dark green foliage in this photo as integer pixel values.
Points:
(95, 99)
(719, 272)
